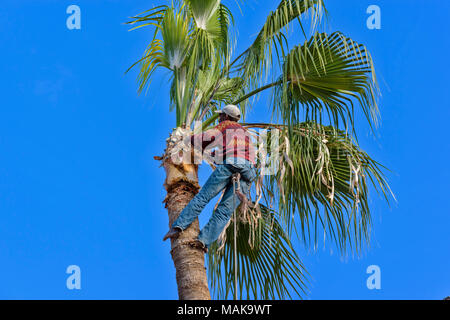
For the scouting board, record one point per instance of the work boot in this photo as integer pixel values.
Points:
(173, 233)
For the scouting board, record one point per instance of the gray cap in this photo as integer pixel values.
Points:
(231, 110)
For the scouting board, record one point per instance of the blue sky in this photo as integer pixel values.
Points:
(78, 183)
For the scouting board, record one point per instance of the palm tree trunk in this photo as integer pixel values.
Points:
(182, 185)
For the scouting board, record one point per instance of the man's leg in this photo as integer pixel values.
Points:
(215, 183)
(222, 214)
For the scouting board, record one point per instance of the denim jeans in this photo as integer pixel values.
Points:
(219, 180)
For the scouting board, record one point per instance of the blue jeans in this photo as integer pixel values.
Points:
(219, 180)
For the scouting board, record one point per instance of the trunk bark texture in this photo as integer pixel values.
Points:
(182, 185)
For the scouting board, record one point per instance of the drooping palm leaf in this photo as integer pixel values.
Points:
(210, 39)
(203, 12)
(255, 62)
(268, 266)
(323, 177)
(190, 40)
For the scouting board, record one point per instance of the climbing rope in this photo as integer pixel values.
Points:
(236, 177)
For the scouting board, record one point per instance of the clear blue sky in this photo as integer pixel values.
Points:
(78, 183)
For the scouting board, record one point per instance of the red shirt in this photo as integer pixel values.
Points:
(232, 140)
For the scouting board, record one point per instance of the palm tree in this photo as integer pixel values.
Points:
(322, 181)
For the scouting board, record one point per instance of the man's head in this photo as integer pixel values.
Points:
(229, 112)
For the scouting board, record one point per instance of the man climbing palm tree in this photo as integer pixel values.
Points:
(235, 154)
(323, 177)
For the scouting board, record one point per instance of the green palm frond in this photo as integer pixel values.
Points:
(170, 50)
(203, 12)
(192, 41)
(204, 92)
(228, 90)
(152, 59)
(211, 39)
(153, 55)
(213, 90)
(176, 42)
(268, 266)
(324, 177)
(255, 62)
(147, 18)
(323, 78)
(226, 19)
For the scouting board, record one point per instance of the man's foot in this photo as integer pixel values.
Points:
(173, 233)
(197, 244)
